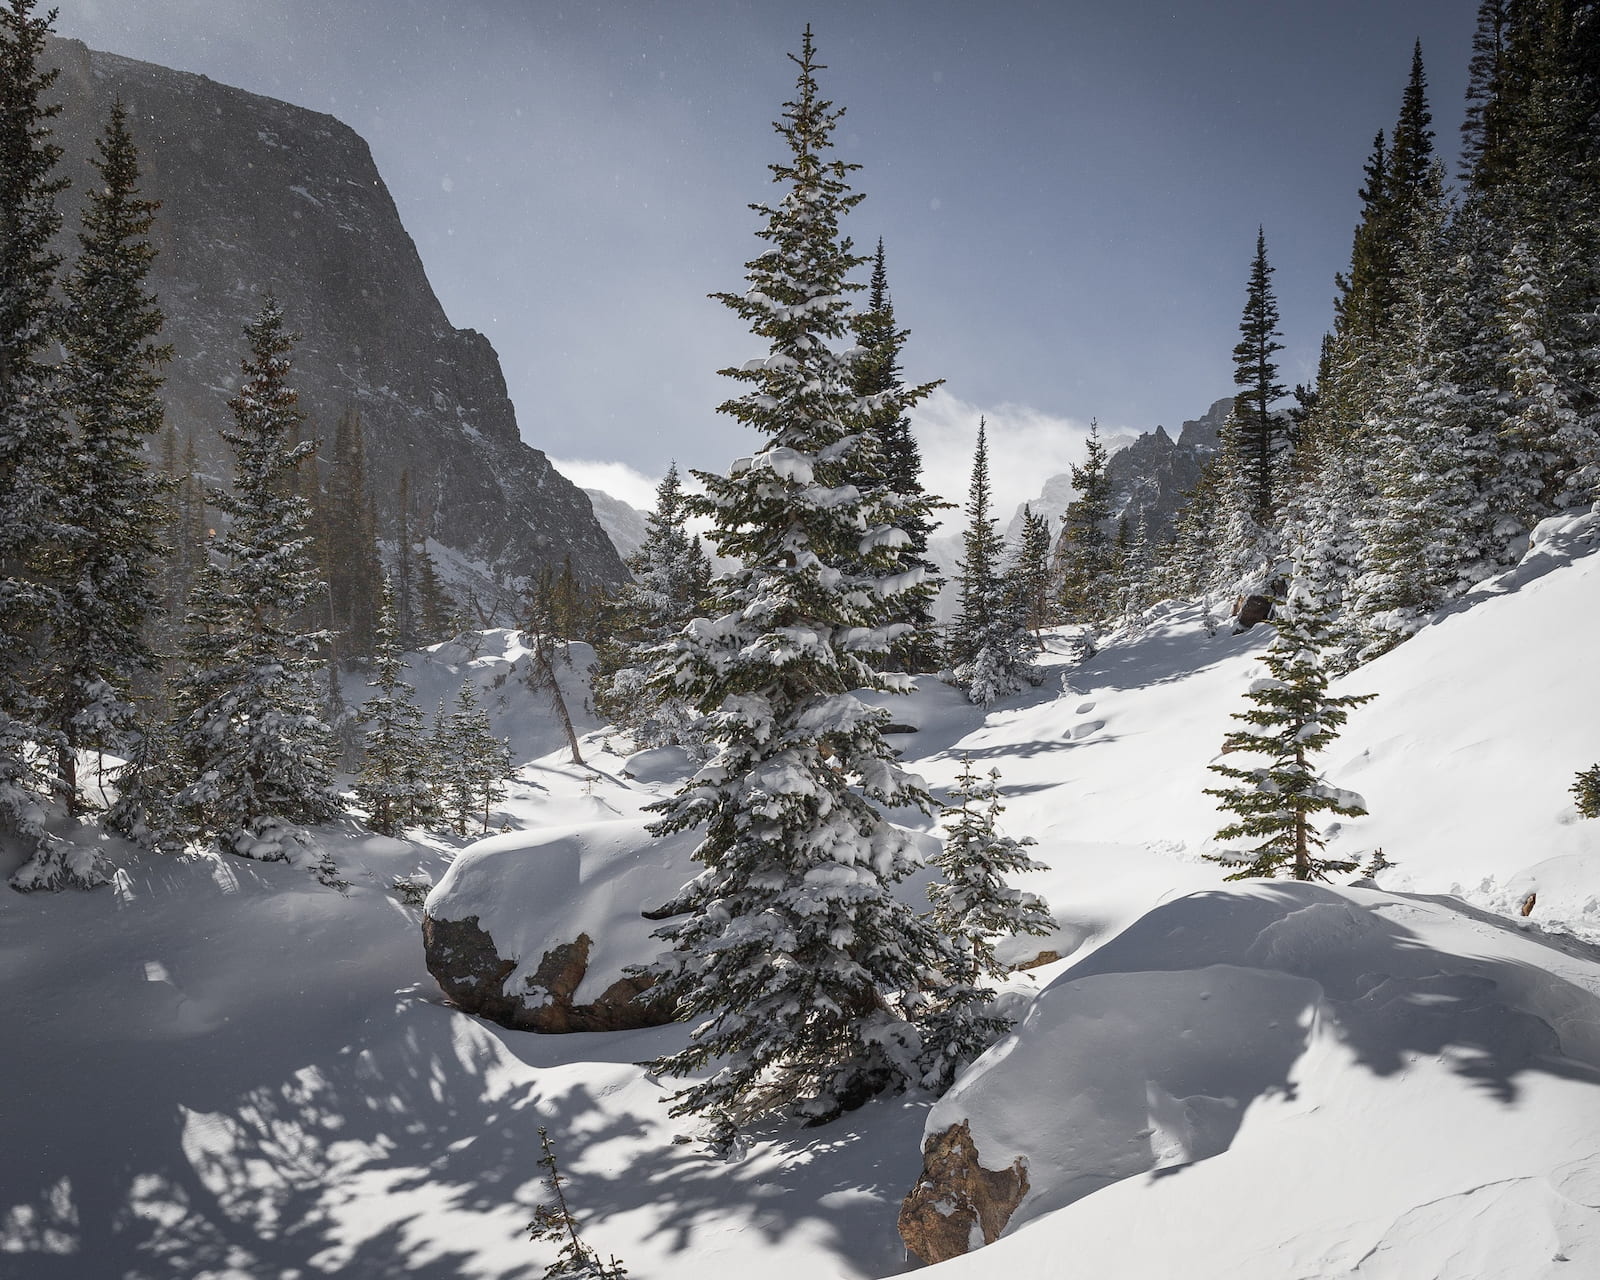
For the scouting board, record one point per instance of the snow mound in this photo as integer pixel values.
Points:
(532, 892)
(1397, 1085)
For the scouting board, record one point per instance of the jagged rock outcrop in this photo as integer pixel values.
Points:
(260, 195)
(464, 961)
(956, 1195)
(1150, 476)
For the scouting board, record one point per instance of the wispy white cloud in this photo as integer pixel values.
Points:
(1026, 447)
(616, 478)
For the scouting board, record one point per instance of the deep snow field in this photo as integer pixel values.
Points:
(219, 1068)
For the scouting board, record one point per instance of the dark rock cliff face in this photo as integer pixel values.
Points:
(1150, 476)
(259, 195)
(1153, 475)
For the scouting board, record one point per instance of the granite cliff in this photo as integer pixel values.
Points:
(260, 195)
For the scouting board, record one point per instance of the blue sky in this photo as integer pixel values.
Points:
(1069, 192)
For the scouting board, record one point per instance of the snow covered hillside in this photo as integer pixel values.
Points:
(225, 1069)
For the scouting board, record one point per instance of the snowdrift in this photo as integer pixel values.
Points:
(1354, 1068)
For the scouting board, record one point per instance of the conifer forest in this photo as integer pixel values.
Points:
(419, 865)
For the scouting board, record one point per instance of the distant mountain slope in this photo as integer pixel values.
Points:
(625, 525)
(1150, 475)
(258, 195)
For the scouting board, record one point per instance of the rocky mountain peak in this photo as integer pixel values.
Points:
(259, 195)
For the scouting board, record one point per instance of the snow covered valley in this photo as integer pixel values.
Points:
(218, 1068)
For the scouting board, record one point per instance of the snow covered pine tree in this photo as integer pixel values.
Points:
(803, 971)
(249, 731)
(1294, 717)
(973, 906)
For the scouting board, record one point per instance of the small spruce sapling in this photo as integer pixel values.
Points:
(558, 1224)
(972, 903)
(972, 907)
(1291, 719)
(1586, 791)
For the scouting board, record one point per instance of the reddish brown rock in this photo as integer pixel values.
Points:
(955, 1194)
(465, 963)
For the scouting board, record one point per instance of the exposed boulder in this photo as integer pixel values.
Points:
(957, 1204)
(465, 962)
(540, 930)
(1249, 610)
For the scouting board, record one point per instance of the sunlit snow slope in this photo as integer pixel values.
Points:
(224, 1069)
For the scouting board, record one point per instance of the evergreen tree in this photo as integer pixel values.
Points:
(671, 581)
(1259, 441)
(1134, 593)
(1189, 562)
(1356, 311)
(557, 1223)
(1028, 579)
(183, 544)
(349, 541)
(406, 612)
(396, 781)
(1586, 791)
(1291, 719)
(113, 504)
(876, 377)
(1085, 555)
(990, 648)
(799, 966)
(32, 430)
(972, 906)
(436, 618)
(1485, 130)
(473, 764)
(249, 731)
(972, 902)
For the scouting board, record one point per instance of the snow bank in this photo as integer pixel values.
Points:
(1346, 1064)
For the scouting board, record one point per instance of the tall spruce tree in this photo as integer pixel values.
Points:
(877, 379)
(1085, 566)
(32, 427)
(1259, 441)
(113, 503)
(1029, 576)
(1292, 718)
(396, 781)
(250, 732)
(349, 543)
(799, 966)
(990, 648)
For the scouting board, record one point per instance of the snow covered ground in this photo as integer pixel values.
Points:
(225, 1069)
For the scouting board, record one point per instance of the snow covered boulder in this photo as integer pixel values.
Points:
(536, 930)
(1397, 1054)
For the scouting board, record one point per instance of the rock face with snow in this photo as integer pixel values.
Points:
(468, 967)
(1150, 476)
(258, 195)
(957, 1203)
(625, 525)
